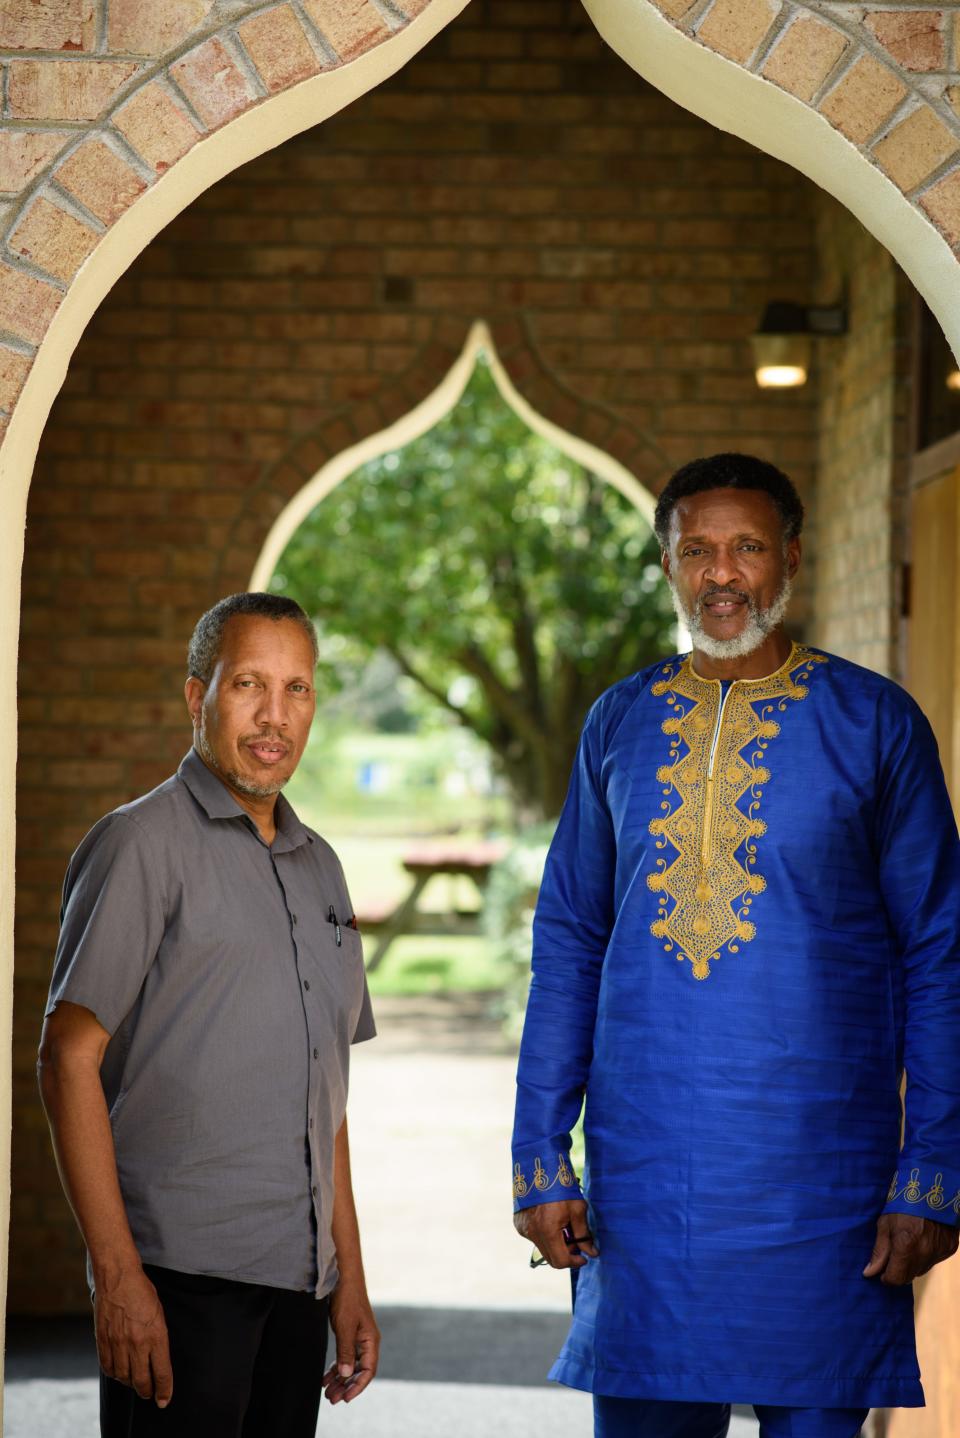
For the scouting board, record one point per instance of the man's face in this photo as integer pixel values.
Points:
(252, 720)
(729, 569)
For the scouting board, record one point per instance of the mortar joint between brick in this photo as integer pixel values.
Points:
(780, 24)
(101, 40)
(10, 219)
(843, 63)
(248, 61)
(26, 266)
(318, 41)
(184, 100)
(65, 201)
(950, 166)
(71, 57)
(234, 47)
(123, 149)
(18, 344)
(391, 13)
(908, 106)
(690, 21)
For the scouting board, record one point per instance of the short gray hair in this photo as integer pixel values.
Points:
(207, 638)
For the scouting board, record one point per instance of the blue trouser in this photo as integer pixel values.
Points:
(646, 1418)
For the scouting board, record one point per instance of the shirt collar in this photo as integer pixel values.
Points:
(217, 802)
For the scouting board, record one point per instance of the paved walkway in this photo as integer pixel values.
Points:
(469, 1329)
(431, 1105)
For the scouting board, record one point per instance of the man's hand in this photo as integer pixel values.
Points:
(907, 1246)
(358, 1344)
(543, 1225)
(132, 1336)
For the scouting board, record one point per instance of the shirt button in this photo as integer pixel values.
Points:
(316, 1053)
(314, 1190)
(306, 983)
(294, 917)
(311, 1123)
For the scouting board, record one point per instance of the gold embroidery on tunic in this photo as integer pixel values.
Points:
(713, 879)
(935, 1196)
(564, 1175)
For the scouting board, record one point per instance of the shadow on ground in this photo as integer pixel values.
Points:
(420, 1345)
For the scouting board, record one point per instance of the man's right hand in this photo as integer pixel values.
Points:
(543, 1225)
(132, 1339)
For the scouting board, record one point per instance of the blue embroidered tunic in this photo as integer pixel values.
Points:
(749, 926)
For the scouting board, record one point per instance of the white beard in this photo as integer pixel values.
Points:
(760, 623)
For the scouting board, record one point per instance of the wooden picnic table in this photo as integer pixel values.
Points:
(424, 862)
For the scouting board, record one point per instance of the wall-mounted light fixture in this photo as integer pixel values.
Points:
(783, 344)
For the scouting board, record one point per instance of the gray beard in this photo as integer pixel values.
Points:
(238, 781)
(760, 623)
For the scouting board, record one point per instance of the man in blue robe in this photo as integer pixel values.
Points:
(748, 928)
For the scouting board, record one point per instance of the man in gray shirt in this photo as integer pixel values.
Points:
(207, 987)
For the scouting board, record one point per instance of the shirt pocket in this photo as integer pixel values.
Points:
(339, 966)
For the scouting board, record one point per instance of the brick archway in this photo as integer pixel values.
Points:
(100, 111)
(128, 107)
(866, 102)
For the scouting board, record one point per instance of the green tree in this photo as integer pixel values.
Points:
(509, 582)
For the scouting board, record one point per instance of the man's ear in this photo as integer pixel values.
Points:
(665, 562)
(193, 692)
(794, 555)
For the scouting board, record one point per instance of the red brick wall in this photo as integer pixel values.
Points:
(515, 171)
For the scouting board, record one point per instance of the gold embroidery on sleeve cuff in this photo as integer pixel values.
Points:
(564, 1175)
(935, 1196)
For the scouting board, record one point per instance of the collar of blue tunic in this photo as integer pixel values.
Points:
(792, 660)
(217, 802)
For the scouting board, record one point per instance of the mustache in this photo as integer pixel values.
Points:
(723, 594)
(265, 738)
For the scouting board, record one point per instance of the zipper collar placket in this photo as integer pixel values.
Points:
(706, 846)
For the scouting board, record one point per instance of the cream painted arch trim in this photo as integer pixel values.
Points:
(422, 418)
(274, 120)
(732, 99)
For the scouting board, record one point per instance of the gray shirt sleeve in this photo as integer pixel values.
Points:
(365, 1028)
(111, 922)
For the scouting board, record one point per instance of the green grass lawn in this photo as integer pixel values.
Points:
(412, 800)
(431, 964)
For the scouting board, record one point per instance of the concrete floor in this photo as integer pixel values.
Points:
(469, 1330)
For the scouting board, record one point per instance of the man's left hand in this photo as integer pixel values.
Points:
(907, 1246)
(358, 1344)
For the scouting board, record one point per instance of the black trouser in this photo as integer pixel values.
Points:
(248, 1362)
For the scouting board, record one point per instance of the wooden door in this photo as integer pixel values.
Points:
(934, 631)
(934, 681)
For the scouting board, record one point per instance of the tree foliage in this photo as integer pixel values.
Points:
(508, 581)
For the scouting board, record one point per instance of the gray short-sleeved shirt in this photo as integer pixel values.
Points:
(232, 999)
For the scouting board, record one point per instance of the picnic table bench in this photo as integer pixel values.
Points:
(423, 862)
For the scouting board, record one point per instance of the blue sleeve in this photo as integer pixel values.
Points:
(920, 879)
(571, 930)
